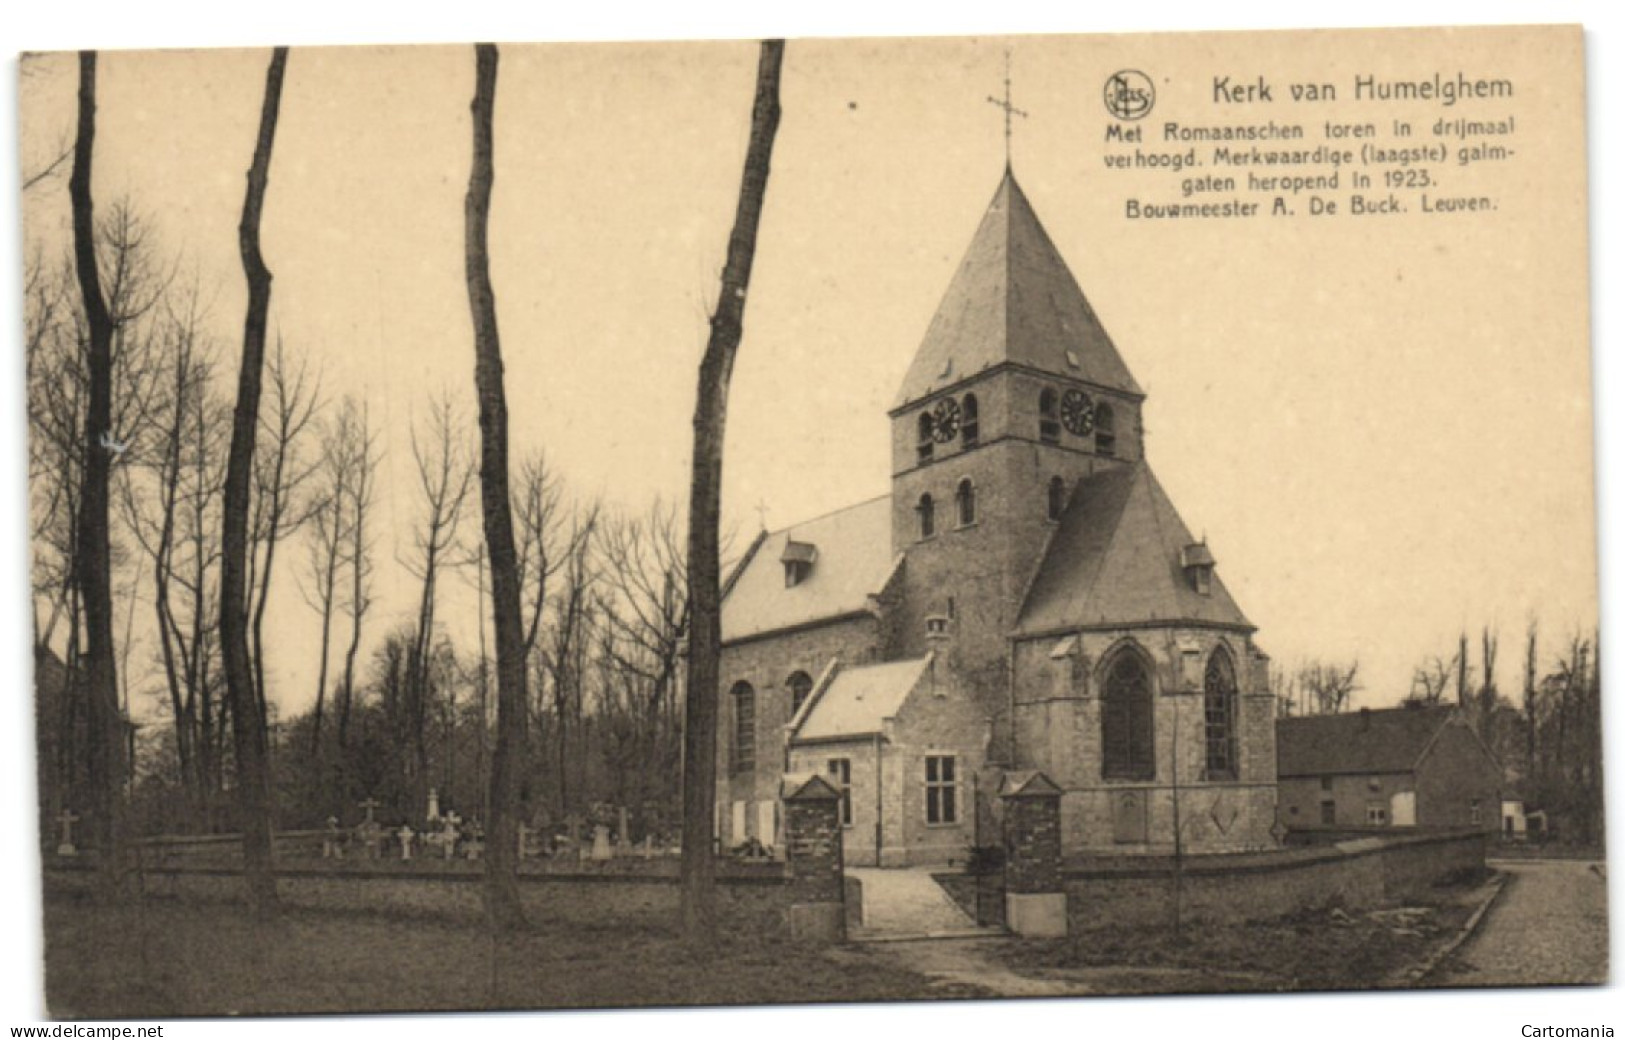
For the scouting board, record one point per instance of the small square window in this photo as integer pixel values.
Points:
(1376, 815)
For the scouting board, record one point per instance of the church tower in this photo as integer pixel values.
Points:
(1015, 395)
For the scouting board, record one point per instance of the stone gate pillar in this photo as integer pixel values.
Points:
(1034, 897)
(814, 856)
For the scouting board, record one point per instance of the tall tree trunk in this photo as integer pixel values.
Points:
(705, 505)
(247, 722)
(502, 906)
(93, 555)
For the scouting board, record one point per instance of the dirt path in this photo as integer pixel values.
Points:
(961, 965)
(1550, 925)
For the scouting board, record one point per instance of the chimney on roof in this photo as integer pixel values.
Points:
(1365, 719)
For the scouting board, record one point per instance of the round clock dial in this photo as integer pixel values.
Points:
(1077, 413)
(945, 420)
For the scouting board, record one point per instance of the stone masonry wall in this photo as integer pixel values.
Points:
(767, 665)
(1058, 730)
(1131, 892)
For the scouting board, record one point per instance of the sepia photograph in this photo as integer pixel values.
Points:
(832, 519)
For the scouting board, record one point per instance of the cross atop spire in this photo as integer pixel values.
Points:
(1009, 109)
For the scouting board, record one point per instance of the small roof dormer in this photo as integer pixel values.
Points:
(798, 559)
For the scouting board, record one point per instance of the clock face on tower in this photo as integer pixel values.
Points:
(1077, 413)
(945, 420)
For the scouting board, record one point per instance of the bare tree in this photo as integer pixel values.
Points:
(502, 904)
(330, 516)
(280, 473)
(646, 623)
(445, 476)
(1529, 700)
(705, 502)
(1430, 680)
(1489, 644)
(358, 496)
(93, 563)
(247, 721)
(170, 501)
(1327, 686)
(564, 652)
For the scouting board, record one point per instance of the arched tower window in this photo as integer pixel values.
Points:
(1057, 497)
(923, 442)
(1105, 429)
(800, 685)
(1049, 426)
(1219, 714)
(928, 516)
(969, 425)
(1125, 720)
(965, 502)
(743, 758)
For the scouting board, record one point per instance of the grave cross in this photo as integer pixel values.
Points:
(369, 805)
(1009, 109)
(67, 818)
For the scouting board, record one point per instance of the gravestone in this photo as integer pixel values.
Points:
(600, 843)
(405, 835)
(434, 805)
(332, 841)
(448, 834)
(67, 818)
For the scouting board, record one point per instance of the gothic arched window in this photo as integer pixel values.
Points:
(923, 441)
(1105, 429)
(965, 502)
(1219, 716)
(969, 424)
(1127, 751)
(800, 684)
(1057, 497)
(1049, 426)
(744, 743)
(928, 516)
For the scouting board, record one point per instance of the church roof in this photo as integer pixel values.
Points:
(849, 552)
(1115, 558)
(858, 700)
(1388, 741)
(1013, 300)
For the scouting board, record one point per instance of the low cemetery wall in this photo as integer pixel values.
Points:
(1139, 891)
(753, 899)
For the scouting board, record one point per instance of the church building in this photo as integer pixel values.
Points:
(1026, 598)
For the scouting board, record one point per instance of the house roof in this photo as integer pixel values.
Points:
(1013, 300)
(1115, 557)
(1383, 741)
(850, 556)
(859, 699)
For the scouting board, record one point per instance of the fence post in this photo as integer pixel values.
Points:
(814, 856)
(1034, 896)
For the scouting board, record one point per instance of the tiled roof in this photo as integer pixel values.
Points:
(1383, 741)
(859, 699)
(1013, 299)
(1115, 558)
(851, 562)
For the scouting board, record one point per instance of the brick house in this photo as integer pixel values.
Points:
(1399, 767)
(1026, 597)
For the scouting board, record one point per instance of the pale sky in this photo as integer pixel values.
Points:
(1383, 426)
(1324, 619)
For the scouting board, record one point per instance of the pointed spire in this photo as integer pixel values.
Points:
(1014, 300)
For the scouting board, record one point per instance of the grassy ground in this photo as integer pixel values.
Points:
(1313, 950)
(170, 960)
